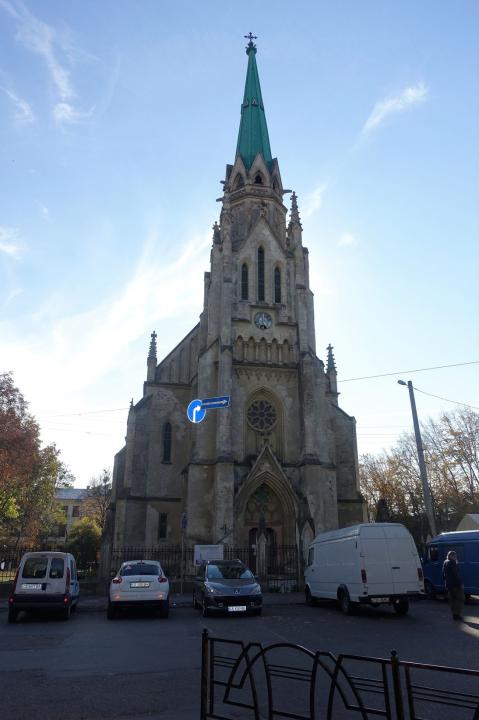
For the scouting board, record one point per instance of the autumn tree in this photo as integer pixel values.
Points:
(29, 474)
(98, 497)
(84, 541)
(452, 457)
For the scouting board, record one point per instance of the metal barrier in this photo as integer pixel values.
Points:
(284, 680)
(283, 572)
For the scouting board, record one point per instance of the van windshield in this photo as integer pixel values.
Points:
(35, 567)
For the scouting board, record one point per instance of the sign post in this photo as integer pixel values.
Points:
(183, 526)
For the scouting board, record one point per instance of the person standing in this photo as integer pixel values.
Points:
(454, 585)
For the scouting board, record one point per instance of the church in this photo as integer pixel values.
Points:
(280, 461)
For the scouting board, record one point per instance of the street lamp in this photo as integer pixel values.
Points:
(420, 454)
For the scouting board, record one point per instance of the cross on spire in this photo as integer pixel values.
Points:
(251, 47)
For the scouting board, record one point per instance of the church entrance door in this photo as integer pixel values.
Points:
(271, 547)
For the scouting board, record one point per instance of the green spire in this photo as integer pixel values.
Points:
(253, 132)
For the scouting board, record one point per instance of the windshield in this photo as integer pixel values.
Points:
(228, 572)
(140, 569)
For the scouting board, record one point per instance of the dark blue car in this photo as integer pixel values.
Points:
(466, 545)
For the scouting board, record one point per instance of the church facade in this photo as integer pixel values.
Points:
(281, 461)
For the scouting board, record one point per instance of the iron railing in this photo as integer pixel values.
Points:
(284, 680)
(283, 572)
(10, 560)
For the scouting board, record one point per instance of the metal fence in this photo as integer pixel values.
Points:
(10, 560)
(284, 680)
(283, 572)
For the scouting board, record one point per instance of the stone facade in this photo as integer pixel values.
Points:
(281, 461)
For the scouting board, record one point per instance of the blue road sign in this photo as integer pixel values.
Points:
(216, 402)
(195, 411)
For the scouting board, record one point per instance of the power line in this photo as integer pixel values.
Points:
(403, 372)
(473, 407)
(87, 412)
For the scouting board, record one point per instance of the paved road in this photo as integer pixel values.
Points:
(141, 667)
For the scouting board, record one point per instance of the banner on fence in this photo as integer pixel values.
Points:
(203, 553)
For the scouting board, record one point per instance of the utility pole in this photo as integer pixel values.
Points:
(420, 454)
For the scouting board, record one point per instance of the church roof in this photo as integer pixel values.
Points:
(253, 132)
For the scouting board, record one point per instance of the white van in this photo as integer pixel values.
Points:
(367, 564)
(44, 580)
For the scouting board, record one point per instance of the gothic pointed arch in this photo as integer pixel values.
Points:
(266, 497)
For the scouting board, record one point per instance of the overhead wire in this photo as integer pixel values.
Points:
(403, 372)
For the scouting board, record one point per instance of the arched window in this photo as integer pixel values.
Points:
(244, 281)
(258, 179)
(261, 274)
(167, 442)
(277, 285)
(239, 182)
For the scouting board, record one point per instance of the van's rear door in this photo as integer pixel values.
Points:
(57, 570)
(404, 559)
(376, 561)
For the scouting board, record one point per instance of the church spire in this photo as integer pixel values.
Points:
(331, 367)
(294, 215)
(151, 360)
(253, 132)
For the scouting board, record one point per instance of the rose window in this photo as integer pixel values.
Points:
(261, 415)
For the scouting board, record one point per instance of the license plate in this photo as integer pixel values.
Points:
(237, 608)
(380, 600)
(140, 585)
(31, 586)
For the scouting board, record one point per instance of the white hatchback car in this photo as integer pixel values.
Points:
(139, 583)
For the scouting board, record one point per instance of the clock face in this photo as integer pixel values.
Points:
(263, 320)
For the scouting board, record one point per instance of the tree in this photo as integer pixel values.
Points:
(98, 498)
(84, 541)
(452, 457)
(29, 474)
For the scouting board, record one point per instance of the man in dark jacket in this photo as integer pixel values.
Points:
(454, 584)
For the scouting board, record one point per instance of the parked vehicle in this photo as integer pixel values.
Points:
(366, 564)
(45, 580)
(227, 586)
(139, 583)
(466, 545)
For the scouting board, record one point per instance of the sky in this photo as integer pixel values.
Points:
(117, 119)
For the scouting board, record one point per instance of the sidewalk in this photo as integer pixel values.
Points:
(97, 603)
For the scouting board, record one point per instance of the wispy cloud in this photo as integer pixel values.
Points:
(23, 112)
(10, 243)
(55, 50)
(44, 210)
(347, 239)
(312, 202)
(397, 103)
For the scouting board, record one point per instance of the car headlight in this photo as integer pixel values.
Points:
(256, 590)
(212, 590)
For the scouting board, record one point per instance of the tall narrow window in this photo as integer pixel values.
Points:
(277, 285)
(244, 282)
(162, 526)
(261, 274)
(167, 443)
